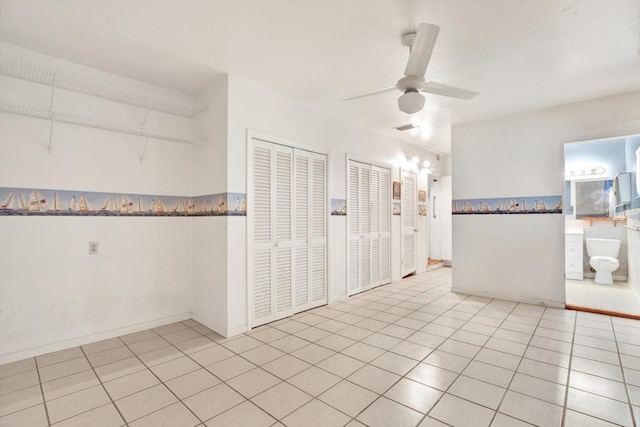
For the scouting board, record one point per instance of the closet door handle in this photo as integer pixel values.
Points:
(434, 207)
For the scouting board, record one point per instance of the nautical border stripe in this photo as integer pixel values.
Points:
(17, 201)
(526, 205)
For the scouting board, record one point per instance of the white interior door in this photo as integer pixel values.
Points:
(408, 214)
(353, 228)
(365, 227)
(435, 219)
(287, 230)
(384, 203)
(284, 226)
(318, 230)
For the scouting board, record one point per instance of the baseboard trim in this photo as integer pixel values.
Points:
(339, 298)
(607, 312)
(534, 301)
(220, 330)
(87, 339)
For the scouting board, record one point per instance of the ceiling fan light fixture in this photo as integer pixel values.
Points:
(411, 102)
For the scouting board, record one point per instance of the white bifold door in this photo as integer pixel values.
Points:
(369, 226)
(408, 239)
(287, 229)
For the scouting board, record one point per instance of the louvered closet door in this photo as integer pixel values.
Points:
(302, 192)
(353, 228)
(261, 229)
(408, 219)
(365, 227)
(288, 231)
(384, 203)
(318, 229)
(284, 226)
(375, 226)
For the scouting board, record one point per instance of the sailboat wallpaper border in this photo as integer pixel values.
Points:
(26, 201)
(508, 205)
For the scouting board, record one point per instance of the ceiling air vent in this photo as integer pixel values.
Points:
(406, 127)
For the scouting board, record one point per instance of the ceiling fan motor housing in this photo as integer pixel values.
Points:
(411, 102)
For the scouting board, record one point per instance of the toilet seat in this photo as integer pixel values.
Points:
(604, 259)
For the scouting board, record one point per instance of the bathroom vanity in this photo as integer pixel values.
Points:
(573, 253)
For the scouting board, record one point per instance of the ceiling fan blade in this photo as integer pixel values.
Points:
(446, 90)
(375, 92)
(421, 50)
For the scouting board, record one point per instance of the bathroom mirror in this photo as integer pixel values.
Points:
(594, 198)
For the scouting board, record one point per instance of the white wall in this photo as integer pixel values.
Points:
(54, 294)
(521, 257)
(259, 109)
(210, 232)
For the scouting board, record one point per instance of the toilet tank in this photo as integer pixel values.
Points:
(603, 247)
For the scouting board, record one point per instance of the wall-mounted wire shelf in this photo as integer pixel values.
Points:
(64, 79)
(77, 119)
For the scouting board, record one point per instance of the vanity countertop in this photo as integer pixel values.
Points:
(579, 231)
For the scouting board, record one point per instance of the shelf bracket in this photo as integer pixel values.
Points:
(53, 118)
(144, 150)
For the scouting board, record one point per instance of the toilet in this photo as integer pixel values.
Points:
(603, 259)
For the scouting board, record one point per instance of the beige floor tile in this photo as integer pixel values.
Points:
(170, 328)
(211, 355)
(19, 400)
(14, 368)
(230, 367)
(599, 407)
(395, 363)
(76, 403)
(138, 336)
(285, 366)
(461, 413)
(289, 344)
(34, 416)
(130, 384)
(447, 361)
(253, 382)
(267, 334)
(145, 402)
(382, 341)
(397, 331)
(19, 381)
(414, 395)
(175, 415)
(314, 380)
(599, 369)
(335, 342)
(245, 414)
(363, 352)
(262, 354)
(384, 412)
(476, 391)
(103, 345)
(348, 397)
(195, 344)
(340, 365)
(538, 388)
(242, 344)
(432, 376)
(544, 371)
(290, 326)
(63, 369)
(412, 350)
(313, 353)
(162, 355)
(175, 368)
(192, 383)
(316, 414)
(495, 358)
(59, 356)
(374, 379)
(354, 332)
(109, 356)
(573, 418)
(154, 343)
(181, 336)
(281, 400)
(312, 334)
(102, 416)
(119, 369)
(213, 401)
(531, 410)
(69, 384)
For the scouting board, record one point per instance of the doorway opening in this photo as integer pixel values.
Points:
(602, 244)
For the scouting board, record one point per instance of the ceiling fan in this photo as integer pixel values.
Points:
(421, 45)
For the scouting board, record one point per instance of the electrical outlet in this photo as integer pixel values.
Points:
(93, 248)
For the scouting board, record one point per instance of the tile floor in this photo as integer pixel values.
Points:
(619, 297)
(406, 354)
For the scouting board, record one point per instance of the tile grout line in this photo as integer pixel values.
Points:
(44, 400)
(566, 393)
(624, 376)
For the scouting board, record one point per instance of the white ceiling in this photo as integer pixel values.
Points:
(520, 55)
